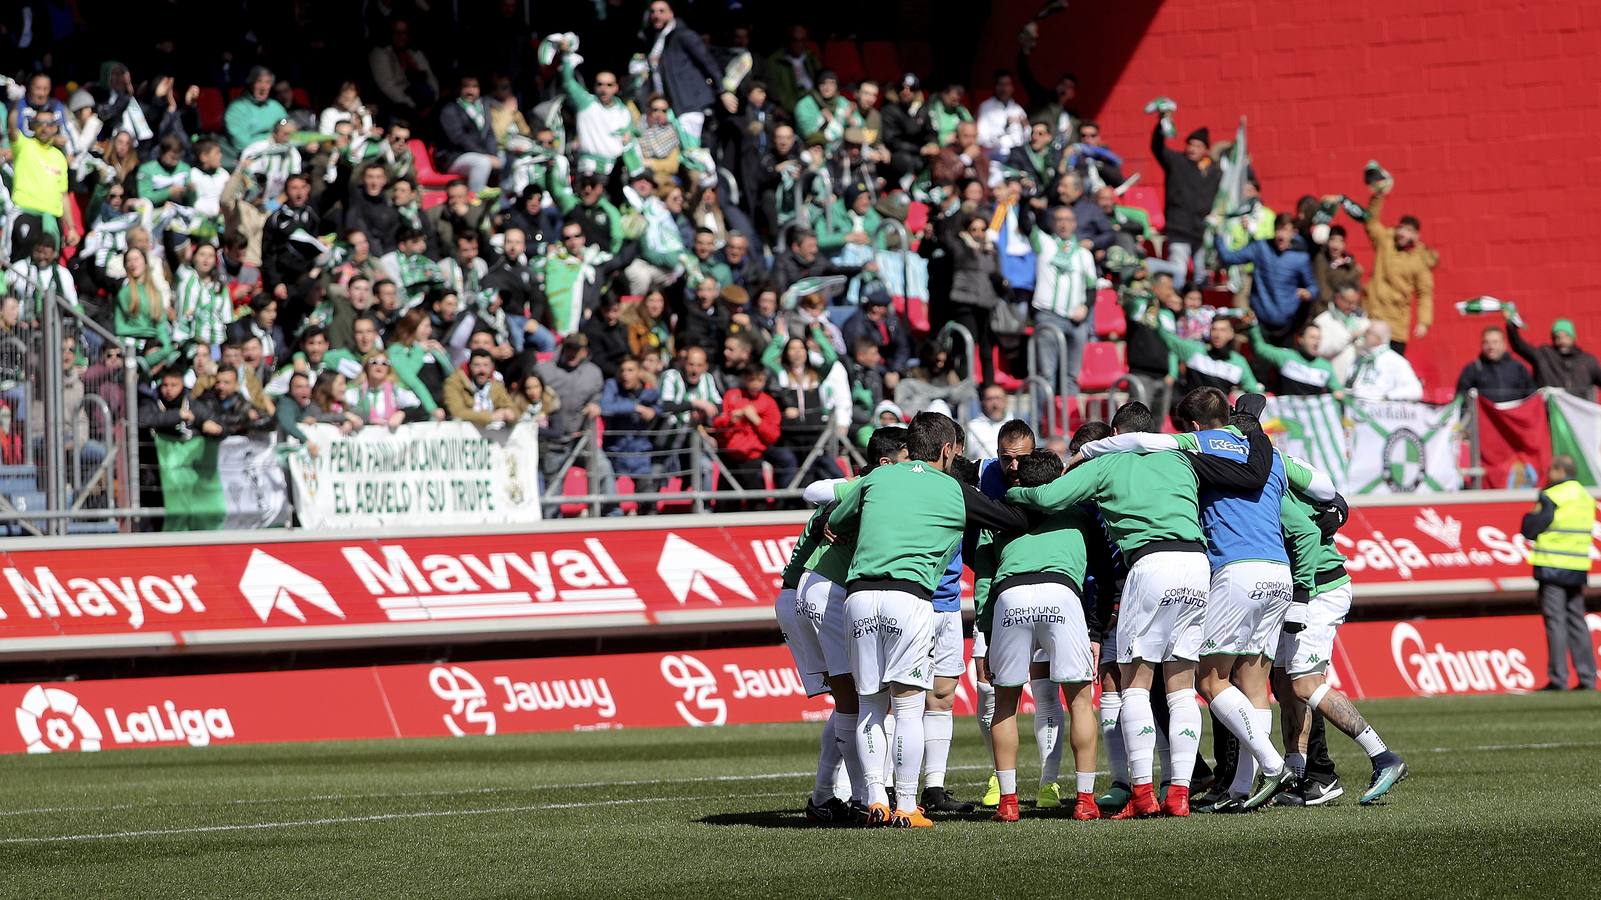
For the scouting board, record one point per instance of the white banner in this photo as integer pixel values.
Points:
(253, 487)
(438, 473)
(1402, 448)
(1311, 428)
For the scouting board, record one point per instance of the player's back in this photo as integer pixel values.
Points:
(1057, 545)
(1148, 499)
(1242, 525)
(912, 519)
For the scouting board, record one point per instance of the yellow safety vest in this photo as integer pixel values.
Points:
(1566, 544)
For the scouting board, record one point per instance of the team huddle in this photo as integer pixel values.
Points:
(1196, 561)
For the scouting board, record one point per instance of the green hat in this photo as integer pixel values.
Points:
(1564, 326)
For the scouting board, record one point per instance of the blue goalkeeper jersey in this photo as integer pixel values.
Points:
(1241, 526)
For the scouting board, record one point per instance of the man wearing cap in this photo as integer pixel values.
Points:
(1560, 526)
(1560, 364)
(907, 133)
(822, 116)
(878, 322)
(1191, 182)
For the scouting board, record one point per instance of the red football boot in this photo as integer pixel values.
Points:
(1007, 810)
(1085, 807)
(1142, 805)
(1177, 802)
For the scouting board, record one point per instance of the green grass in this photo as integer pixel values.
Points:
(1502, 800)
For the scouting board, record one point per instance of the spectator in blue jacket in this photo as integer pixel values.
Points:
(1281, 284)
(877, 321)
(682, 69)
(628, 410)
(470, 148)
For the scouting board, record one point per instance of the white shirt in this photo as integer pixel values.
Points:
(1340, 335)
(1001, 126)
(983, 436)
(1384, 374)
(208, 190)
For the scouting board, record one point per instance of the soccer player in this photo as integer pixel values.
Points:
(1148, 502)
(1301, 667)
(908, 519)
(816, 629)
(1035, 604)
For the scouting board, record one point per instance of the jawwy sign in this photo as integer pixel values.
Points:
(444, 473)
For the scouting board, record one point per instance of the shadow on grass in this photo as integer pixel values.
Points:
(775, 818)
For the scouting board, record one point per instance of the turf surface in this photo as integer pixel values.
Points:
(1502, 800)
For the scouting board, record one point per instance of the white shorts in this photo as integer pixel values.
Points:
(800, 635)
(948, 662)
(1308, 651)
(980, 646)
(1245, 608)
(1163, 608)
(891, 640)
(824, 602)
(1040, 619)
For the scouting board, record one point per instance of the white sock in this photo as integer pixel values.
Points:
(938, 725)
(889, 751)
(845, 736)
(1371, 743)
(871, 748)
(842, 780)
(1235, 712)
(1008, 780)
(986, 715)
(1183, 735)
(1112, 735)
(1297, 762)
(1048, 728)
(1086, 782)
(1139, 733)
(828, 761)
(908, 749)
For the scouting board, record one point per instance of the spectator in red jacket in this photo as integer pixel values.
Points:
(748, 428)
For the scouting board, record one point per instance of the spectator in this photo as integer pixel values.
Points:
(792, 70)
(745, 269)
(1496, 376)
(327, 405)
(142, 311)
(1038, 159)
(738, 353)
(647, 326)
(1341, 327)
(984, 429)
(574, 276)
(311, 360)
(39, 186)
(578, 382)
(167, 411)
(403, 75)
(803, 260)
(1403, 273)
(878, 322)
(347, 107)
(223, 411)
(521, 295)
(505, 118)
(608, 336)
(470, 148)
(706, 322)
(1560, 364)
(377, 397)
(1002, 122)
(1335, 268)
(813, 393)
(946, 112)
(681, 69)
(419, 362)
(868, 384)
(262, 324)
(303, 118)
(412, 271)
(747, 433)
(1297, 371)
(974, 292)
(908, 136)
(369, 211)
(964, 159)
(475, 396)
(536, 402)
(1092, 159)
(203, 308)
(822, 116)
(33, 279)
(1064, 285)
(1281, 281)
(628, 408)
(1560, 527)
(166, 178)
(1191, 182)
(1381, 372)
(937, 379)
(602, 117)
(1214, 363)
(253, 115)
(289, 250)
(206, 182)
(294, 407)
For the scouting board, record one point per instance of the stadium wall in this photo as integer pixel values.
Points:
(1485, 112)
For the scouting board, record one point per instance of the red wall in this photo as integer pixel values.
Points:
(1488, 115)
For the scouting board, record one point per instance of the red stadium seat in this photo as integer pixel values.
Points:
(1000, 376)
(427, 175)
(845, 60)
(1110, 322)
(918, 57)
(916, 218)
(625, 486)
(431, 199)
(1147, 198)
(211, 108)
(301, 99)
(1102, 367)
(880, 61)
(576, 484)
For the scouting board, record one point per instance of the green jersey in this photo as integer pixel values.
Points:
(1302, 540)
(1321, 558)
(811, 535)
(1229, 373)
(909, 519)
(1148, 501)
(1301, 376)
(1055, 551)
(827, 559)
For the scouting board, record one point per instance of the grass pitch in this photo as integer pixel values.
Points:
(1502, 800)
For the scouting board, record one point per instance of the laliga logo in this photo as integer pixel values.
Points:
(1439, 671)
(699, 685)
(50, 719)
(466, 697)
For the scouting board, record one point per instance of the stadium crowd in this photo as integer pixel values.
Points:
(666, 233)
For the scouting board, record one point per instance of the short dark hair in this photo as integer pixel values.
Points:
(1014, 430)
(1133, 417)
(929, 433)
(480, 353)
(1087, 433)
(1413, 221)
(887, 441)
(754, 370)
(744, 338)
(298, 176)
(1283, 220)
(964, 470)
(204, 144)
(1246, 423)
(1040, 467)
(1204, 406)
(1336, 230)
(378, 285)
(311, 332)
(863, 343)
(408, 233)
(797, 235)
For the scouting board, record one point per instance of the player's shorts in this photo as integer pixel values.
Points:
(1245, 608)
(1164, 607)
(1045, 619)
(891, 640)
(824, 601)
(1308, 651)
(948, 662)
(800, 635)
(980, 646)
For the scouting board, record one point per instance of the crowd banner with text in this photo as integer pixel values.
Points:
(1403, 448)
(235, 483)
(442, 473)
(696, 688)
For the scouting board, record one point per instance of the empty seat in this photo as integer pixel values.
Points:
(1102, 367)
(845, 60)
(427, 175)
(1149, 199)
(1109, 319)
(575, 484)
(880, 61)
(210, 105)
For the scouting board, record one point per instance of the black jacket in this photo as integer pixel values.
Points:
(519, 289)
(905, 131)
(1191, 190)
(233, 414)
(374, 217)
(283, 261)
(790, 268)
(1499, 381)
(461, 135)
(706, 329)
(687, 69)
(608, 344)
(896, 350)
(1576, 372)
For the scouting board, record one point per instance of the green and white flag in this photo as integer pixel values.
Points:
(1311, 428)
(1399, 447)
(1486, 305)
(208, 484)
(1576, 432)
